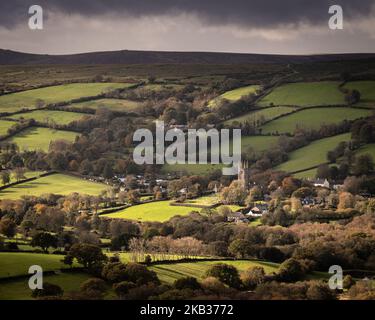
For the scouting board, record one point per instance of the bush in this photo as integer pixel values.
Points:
(94, 284)
(187, 283)
(123, 287)
(49, 289)
(227, 274)
(252, 277)
(291, 270)
(320, 291)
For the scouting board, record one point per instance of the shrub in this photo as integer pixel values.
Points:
(187, 283)
(49, 289)
(252, 277)
(123, 287)
(227, 274)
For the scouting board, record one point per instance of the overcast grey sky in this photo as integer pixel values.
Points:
(259, 26)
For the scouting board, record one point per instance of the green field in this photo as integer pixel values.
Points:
(56, 184)
(308, 174)
(28, 99)
(16, 264)
(314, 119)
(4, 126)
(169, 273)
(111, 104)
(154, 211)
(261, 115)
(253, 143)
(159, 87)
(305, 94)
(19, 289)
(51, 116)
(313, 154)
(367, 90)
(204, 201)
(235, 94)
(35, 138)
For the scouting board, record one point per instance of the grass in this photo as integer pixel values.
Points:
(248, 144)
(235, 94)
(56, 184)
(5, 125)
(111, 104)
(168, 273)
(305, 94)
(204, 201)
(19, 289)
(28, 99)
(48, 116)
(314, 119)
(313, 154)
(367, 90)
(261, 115)
(17, 264)
(366, 149)
(308, 174)
(35, 138)
(155, 211)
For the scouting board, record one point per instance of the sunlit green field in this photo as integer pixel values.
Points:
(39, 138)
(305, 94)
(154, 211)
(169, 273)
(314, 119)
(111, 104)
(19, 289)
(51, 116)
(5, 125)
(18, 263)
(56, 184)
(313, 154)
(261, 115)
(367, 90)
(235, 94)
(28, 99)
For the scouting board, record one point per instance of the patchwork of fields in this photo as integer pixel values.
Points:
(313, 154)
(314, 119)
(305, 94)
(56, 184)
(50, 116)
(36, 138)
(236, 94)
(29, 99)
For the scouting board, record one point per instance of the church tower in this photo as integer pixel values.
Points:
(244, 174)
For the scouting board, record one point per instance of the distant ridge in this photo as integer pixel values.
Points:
(9, 57)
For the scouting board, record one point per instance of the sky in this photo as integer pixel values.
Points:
(246, 26)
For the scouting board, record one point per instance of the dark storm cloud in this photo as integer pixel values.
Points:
(250, 13)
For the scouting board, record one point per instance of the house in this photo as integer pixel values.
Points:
(258, 210)
(323, 183)
(237, 217)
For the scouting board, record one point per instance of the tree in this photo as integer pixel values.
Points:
(7, 227)
(239, 248)
(252, 277)
(363, 165)
(318, 290)
(5, 177)
(108, 171)
(87, 254)
(94, 287)
(19, 173)
(291, 270)
(44, 240)
(187, 283)
(346, 201)
(227, 274)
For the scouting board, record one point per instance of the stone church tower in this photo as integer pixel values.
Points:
(244, 174)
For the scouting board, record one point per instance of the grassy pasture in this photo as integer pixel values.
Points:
(5, 125)
(19, 289)
(56, 183)
(204, 201)
(305, 94)
(18, 263)
(168, 273)
(313, 154)
(39, 138)
(254, 143)
(314, 119)
(235, 94)
(47, 116)
(154, 211)
(111, 104)
(367, 90)
(27, 99)
(261, 115)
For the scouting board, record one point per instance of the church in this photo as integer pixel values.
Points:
(244, 174)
